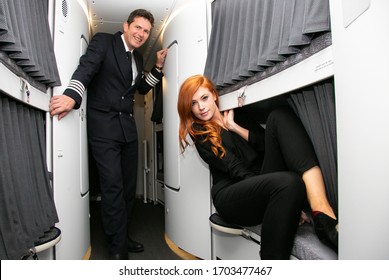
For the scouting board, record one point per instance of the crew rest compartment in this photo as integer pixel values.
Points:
(308, 62)
(285, 58)
(315, 106)
(339, 62)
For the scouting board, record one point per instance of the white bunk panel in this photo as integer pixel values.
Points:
(186, 176)
(315, 68)
(362, 102)
(17, 87)
(70, 166)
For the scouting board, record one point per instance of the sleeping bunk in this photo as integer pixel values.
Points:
(284, 58)
(36, 183)
(27, 69)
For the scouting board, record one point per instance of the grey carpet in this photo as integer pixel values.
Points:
(148, 227)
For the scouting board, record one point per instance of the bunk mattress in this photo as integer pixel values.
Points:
(307, 245)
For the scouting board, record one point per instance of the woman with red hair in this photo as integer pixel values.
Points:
(259, 176)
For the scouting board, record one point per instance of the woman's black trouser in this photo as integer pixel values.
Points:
(276, 197)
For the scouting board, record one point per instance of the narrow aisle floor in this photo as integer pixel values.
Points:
(148, 227)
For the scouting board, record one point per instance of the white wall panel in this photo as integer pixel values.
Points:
(362, 102)
(70, 167)
(187, 178)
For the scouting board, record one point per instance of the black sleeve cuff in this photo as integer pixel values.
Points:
(75, 96)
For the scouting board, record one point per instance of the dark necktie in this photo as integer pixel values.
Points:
(129, 56)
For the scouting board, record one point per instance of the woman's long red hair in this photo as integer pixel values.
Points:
(211, 130)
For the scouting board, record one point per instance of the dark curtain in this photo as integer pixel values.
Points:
(248, 36)
(157, 114)
(27, 207)
(315, 106)
(25, 41)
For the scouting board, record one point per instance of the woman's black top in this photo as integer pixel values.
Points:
(242, 158)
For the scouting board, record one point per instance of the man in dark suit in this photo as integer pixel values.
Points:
(112, 71)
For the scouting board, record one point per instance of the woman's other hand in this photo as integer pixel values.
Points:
(231, 125)
(228, 120)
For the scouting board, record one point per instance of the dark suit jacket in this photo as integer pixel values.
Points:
(105, 71)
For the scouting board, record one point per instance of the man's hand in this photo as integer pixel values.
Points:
(61, 105)
(161, 56)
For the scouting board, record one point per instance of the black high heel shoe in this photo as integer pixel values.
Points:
(326, 229)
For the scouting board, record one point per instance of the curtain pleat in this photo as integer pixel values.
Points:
(297, 37)
(284, 48)
(10, 230)
(25, 38)
(157, 115)
(316, 16)
(275, 32)
(225, 41)
(249, 36)
(27, 207)
(216, 37)
(233, 37)
(264, 39)
(256, 35)
(6, 35)
(11, 42)
(240, 70)
(316, 108)
(28, 39)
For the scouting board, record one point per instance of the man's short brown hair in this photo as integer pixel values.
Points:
(141, 13)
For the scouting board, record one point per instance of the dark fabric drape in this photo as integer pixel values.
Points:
(157, 114)
(27, 207)
(316, 108)
(248, 36)
(25, 39)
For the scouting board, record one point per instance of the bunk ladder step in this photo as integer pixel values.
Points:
(48, 240)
